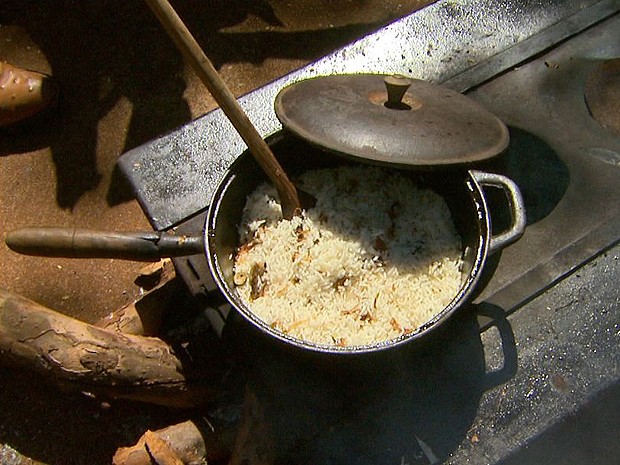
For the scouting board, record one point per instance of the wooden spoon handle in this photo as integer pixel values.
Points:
(201, 64)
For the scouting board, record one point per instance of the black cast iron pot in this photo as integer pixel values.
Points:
(463, 191)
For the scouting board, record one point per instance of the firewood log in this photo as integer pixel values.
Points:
(191, 442)
(94, 360)
(248, 441)
(9, 456)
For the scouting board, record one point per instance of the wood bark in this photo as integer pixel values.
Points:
(91, 359)
(160, 451)
(190, 441)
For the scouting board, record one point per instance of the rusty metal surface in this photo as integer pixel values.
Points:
(432, 126)
(461, 44)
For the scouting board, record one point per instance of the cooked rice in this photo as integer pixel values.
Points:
(377, 257)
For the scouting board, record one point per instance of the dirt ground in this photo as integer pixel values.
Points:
(122, 84)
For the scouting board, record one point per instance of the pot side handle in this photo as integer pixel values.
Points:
(515, 203)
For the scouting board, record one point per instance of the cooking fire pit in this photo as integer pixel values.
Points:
(539, 346)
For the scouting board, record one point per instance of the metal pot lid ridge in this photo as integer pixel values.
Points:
(418, 124)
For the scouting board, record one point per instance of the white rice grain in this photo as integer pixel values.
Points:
(376, 258)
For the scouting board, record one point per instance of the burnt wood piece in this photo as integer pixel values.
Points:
(86, 358)
(192, 442)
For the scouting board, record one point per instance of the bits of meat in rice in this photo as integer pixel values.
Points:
(376, 258)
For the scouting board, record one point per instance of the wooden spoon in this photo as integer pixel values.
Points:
(291, 199)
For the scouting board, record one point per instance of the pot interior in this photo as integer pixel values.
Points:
(464, 200)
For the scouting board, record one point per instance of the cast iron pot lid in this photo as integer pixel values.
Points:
(391, 120)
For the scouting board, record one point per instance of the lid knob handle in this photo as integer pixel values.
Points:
(396, 86)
